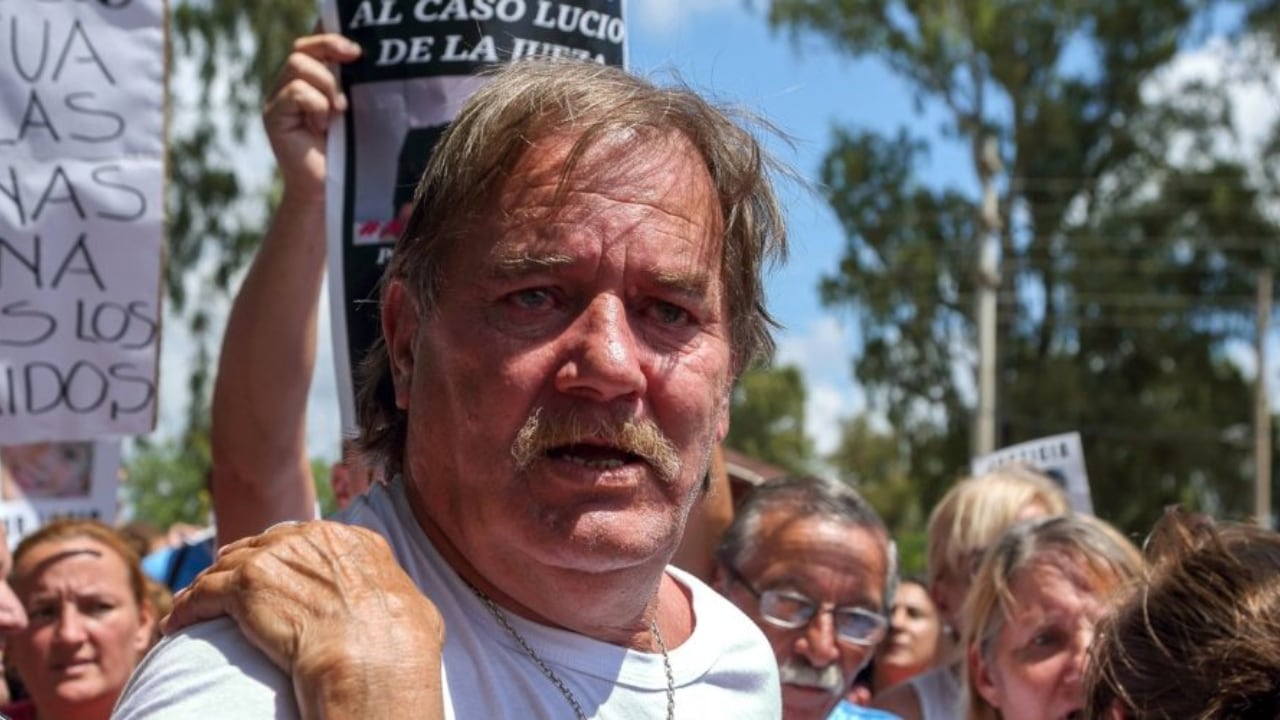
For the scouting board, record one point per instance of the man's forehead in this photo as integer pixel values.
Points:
(567, 160)
(808, 538)
(664, 198)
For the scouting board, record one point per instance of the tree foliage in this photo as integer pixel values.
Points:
(233, 49)
(1129, 243)
(223, 57)
(165, 482)
(767, 418)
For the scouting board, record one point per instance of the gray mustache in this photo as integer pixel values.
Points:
(795, 672)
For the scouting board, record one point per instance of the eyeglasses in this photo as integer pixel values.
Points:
(791, 610)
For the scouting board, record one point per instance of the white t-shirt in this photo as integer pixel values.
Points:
(725, 669)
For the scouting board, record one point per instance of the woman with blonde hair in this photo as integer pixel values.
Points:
(973, 514)
(90, 618)
(1030, 615)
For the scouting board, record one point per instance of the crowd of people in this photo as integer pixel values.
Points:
(578, 283)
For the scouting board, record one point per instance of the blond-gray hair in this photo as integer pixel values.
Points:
(1079, 544)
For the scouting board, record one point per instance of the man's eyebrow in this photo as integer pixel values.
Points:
(516, 264)
(687, 283)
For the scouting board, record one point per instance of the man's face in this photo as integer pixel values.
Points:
(554, 328)
(834, 564)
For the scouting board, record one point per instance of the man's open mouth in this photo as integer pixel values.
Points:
(599, 457)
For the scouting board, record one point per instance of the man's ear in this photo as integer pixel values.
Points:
(981, 679)
(400, 328)
(722, 419)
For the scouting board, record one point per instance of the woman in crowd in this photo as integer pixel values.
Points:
(89, 618)
(968, 519)
(1030, 615)
(914, 628)
(1199, 639)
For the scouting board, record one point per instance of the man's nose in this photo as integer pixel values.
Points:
(603, 360)
(818, 642)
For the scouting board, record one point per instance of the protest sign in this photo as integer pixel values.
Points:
(1061, 457)
(419, 65)
(82, 113)
(43, 481)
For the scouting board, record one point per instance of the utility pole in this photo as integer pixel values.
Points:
(1262, 410)
(984, 426)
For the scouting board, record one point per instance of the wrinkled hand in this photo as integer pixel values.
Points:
(328, 604)
(306, 97)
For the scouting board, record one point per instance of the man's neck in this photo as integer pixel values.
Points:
(617, 607)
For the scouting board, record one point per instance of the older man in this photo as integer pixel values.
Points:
(812, 563)
(578, 284)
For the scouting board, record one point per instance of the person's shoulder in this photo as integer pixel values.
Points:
(376, 509)
(723, 636)
(848, 711)
(902, 700)
(209, 670)
(713, 610)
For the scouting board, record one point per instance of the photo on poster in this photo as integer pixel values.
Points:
(46, 470)
(46, 480)
(401, 121)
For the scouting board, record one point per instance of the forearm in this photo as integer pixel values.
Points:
(261, 472)
(396, 691)
(391, 671)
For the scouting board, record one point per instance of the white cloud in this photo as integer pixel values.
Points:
(666, 15)
(1253, 92)
(821, 348)
(827, 406)
(823, 351)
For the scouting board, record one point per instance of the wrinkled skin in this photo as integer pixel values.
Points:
(329, 604)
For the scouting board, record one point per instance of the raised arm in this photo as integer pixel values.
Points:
(261, 474)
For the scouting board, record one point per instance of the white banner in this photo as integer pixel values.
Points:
(1061, 457)
(43, 481)
(82, 119)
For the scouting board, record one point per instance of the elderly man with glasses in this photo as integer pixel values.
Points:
(810, 561)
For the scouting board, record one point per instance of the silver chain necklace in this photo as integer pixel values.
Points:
(551, 675)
